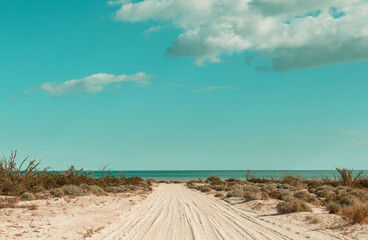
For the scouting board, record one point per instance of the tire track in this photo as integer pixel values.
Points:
(174, 212)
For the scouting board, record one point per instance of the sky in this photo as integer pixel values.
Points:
(185, 84)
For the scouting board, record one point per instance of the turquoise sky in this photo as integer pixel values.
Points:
(177, 88)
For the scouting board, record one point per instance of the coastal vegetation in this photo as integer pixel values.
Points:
(28, 182)
(346, 194)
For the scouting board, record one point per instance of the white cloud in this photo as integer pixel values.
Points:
(214, 88)
(291, 33)
(91, 84)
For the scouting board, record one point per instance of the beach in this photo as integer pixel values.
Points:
(171, 211)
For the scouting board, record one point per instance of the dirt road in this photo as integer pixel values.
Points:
(173, 211)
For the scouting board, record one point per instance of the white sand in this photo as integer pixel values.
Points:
(171, 211)
(175, 212)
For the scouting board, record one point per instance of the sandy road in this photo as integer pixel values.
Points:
(174, 212)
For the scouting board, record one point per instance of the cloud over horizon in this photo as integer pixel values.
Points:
(292, 34)
(90, 84)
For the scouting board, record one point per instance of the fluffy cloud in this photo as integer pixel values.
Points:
(290, 33)
(91, 84)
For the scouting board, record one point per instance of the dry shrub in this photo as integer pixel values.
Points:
(233, 180)
(361, 194)
(325, 191)
(250, 196)
(293, 181)
(348, 201)
(252, 193)
(116, 189)
(191, 185)
(96, 190)
(292, 205)
(73, 190)
(284, 195)
(356, 214)
(205, 188)
(219, 195)
(235, 191)
(27, 196)
(286, 186)
(219, 188)
(347, 177)
(268, 188)
(213, 180)
(333, 207)
(57, 192)
(306, 197)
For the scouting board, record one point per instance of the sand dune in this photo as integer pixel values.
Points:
(174, 212)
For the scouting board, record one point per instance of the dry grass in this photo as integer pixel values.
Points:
(28, 179)
(356, 214)
(346, 194)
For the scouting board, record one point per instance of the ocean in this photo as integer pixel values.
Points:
(185, 175)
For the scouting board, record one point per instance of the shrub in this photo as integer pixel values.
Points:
(286, 187)
(252, 193)
(349, 200)
(268, 188)
(72, 190)
(57, 192)
(219, 195)
(205, 188)
(213, 180)
(361, 194)
(250, 196)
(292, 205)
(235, 191)
(356, 214)
(191, 184)
(96, 190)
(232, 180)
(27, 196)
(219, 187)
(347, 177)
(333, 207)
(291, 180)
(305, 196)
(284, 194)
(324, 191)
(116, 189)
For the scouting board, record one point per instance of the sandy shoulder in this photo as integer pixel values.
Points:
(65, 218)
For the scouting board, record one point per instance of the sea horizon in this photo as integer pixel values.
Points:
(185, 175)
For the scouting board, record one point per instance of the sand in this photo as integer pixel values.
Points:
(65, 218)
(171, 211)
